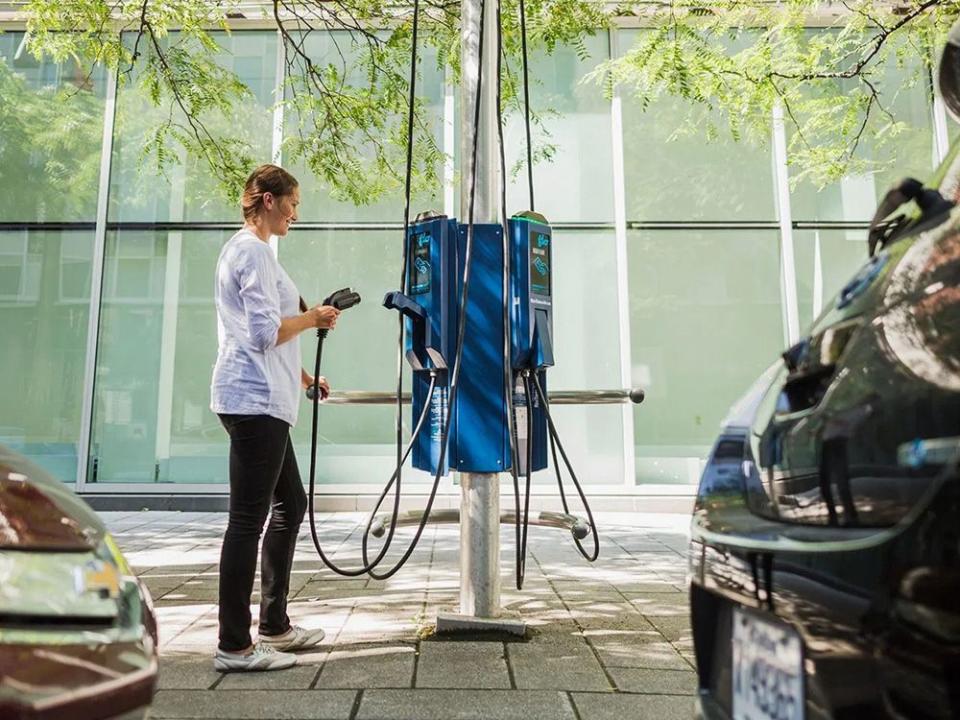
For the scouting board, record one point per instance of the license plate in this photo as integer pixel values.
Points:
(767, 670)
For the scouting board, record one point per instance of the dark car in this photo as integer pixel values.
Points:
(78, 636)
(825, 542)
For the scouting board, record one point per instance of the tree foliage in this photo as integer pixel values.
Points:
(837, 70)
(345, 107)
(345, 104)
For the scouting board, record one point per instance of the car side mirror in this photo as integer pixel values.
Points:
(882, 226)
(885, 226)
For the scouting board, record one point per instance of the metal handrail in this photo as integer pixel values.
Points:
(578, 527)
(558, 397)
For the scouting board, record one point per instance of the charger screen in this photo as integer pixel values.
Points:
(540, 263)
(420, 269)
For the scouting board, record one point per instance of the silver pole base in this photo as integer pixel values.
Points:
(479, 562)
(452, 623)
(480, 545)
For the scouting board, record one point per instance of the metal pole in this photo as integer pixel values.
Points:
(480, 492)
(487, 194)
(480, 545)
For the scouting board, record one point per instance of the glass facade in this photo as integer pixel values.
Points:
(157, 345)
(44, 316)
(670, 259)
(705, 320)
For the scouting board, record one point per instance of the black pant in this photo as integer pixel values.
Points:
(263, 477)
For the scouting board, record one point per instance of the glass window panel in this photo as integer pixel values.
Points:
(318, 204)
(190, 191)
(576, 184)
(44, 311)
(592, 436)
(158, 344)
(674, 173)
(356, 442)
(906, 96)
(586, 327)
(52, 131)
(586, 332)
(705, 320)
(825, 261)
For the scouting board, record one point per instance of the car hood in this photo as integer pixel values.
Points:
(38, 512)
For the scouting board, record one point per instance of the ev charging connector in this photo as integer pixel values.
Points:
(342, 299)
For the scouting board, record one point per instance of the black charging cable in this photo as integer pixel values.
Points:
(522, 523)
(369, 568)
(367, 564)
(528, 395)
(526, 100)
(554, 444)
(462, 313)
(508, 385)
(343, 300)
(313, 391)
(407, 193)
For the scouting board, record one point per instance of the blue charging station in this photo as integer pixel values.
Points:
(436, 247)
(531, 290)
(479, 440)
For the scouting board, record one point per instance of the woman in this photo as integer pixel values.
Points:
(256, 392)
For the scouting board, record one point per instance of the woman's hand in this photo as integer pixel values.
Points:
(323, 316)
(306, 380)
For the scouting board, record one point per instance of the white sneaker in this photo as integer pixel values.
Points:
(263, 657)
(296, 638)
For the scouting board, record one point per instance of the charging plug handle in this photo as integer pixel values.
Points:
(396, 300)
(420, 356)
(342, 299)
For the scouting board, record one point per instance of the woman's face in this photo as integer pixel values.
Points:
(281, 212)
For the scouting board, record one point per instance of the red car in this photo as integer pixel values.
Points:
(78, 635)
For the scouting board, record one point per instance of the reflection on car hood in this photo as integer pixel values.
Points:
(37, 512)
(76, 680)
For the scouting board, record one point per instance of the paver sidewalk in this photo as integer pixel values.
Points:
(609, 639)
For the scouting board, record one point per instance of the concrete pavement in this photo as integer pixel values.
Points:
(607, 640)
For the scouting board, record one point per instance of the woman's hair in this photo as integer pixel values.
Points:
(265, 179)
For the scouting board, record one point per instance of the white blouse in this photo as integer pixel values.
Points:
(253, 375)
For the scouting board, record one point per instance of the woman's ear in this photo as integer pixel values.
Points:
(268, 200)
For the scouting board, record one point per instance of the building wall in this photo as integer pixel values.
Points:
(673, 273)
